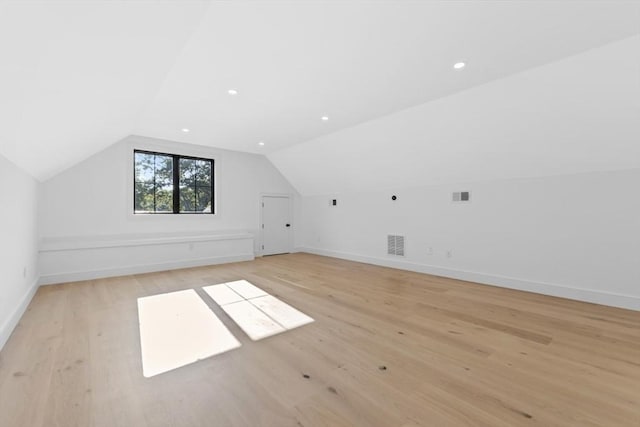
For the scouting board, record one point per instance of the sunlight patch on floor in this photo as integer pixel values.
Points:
(177, 329)
(222, 294)
(258, 314)
(281, 312)
(252, 321)
(246, 289)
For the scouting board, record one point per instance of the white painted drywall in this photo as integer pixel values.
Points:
(540, 149)
(355, 61)
(72, 259)
(75, 75)
(18, 244)
(579, 114)
(574, 236)
(78, 75)
(92, 201)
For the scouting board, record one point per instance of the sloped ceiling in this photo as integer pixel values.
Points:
(78, 76)
(579, 114)
(75, 75)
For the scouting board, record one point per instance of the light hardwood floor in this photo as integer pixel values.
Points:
(388, 348)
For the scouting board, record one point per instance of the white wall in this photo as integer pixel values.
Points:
(18, 244)
(551, 154)
(92, 201)
(573, 236)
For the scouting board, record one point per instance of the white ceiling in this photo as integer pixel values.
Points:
(76, 77)
(580, 114)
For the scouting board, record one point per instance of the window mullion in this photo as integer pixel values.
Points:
(155, 209)
(211, 195)
(195, 186)
(176, 184)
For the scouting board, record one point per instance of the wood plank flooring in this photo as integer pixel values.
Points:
(388, 348)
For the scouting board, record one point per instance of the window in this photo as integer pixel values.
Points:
(172, 184)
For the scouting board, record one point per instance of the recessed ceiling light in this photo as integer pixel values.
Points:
(232, 92)
(185, 130)
(324, 118)
(459, 65)
(261, 143)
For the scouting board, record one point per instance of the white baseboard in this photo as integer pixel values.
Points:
(587, 295)
(75, 276)
(12, 321)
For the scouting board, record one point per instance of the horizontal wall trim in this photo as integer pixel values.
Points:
(71, 244)
(12, 321)
(586, 295)
(75, 276)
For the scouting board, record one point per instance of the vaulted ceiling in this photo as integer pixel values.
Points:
(76, 77)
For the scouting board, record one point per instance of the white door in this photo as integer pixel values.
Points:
(276, 225)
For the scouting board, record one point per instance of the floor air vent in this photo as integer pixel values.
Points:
(395, 245)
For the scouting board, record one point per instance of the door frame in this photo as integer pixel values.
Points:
(287, 196)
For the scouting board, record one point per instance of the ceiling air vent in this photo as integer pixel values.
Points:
(461, 196)
(395, 245)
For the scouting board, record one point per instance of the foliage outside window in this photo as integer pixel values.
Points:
(172, 184)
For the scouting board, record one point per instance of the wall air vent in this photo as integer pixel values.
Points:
(395, 245)
(461, 196)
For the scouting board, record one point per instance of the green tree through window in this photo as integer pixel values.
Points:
(169, 183)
